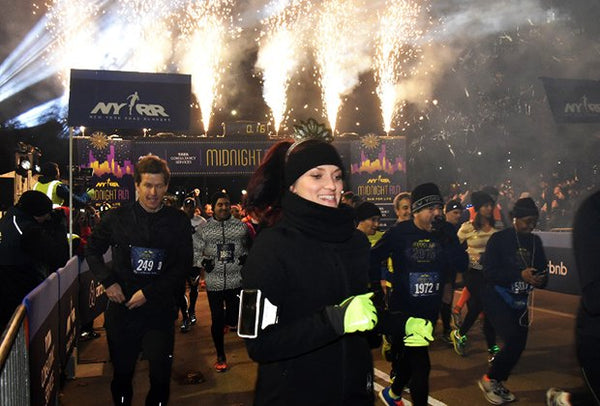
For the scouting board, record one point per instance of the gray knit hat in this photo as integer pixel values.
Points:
(425, 195)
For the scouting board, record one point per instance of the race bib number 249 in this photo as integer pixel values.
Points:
(147, 261)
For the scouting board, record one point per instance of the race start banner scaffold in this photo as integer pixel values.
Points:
(129, 100)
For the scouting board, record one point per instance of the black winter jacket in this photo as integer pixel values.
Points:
(312, 259)
(586, 241)
(423, 262)
(507, 253)
(131, 226)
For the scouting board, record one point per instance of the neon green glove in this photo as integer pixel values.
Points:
(418, 332)
(356, 313)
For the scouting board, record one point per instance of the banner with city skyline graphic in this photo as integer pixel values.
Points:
(112, 169)
(378, 172)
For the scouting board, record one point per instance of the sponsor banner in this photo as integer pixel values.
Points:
(205, 157)
(378, 172)
(42, 317)
(111, 180)
(68, 293)
(112, 99)
(573, 100)
(92, 299)
(562, 274)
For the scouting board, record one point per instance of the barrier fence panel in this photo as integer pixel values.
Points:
(42, 318)
(14, 362)
(68, 310)
(92, 299)
(562, 274)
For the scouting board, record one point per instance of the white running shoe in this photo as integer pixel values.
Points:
(495, 392)
(557, 397)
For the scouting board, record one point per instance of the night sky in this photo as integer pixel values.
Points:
(491, 123)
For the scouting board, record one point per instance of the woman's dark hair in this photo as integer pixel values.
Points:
(266, 185)
(151, 164)
(479, 221)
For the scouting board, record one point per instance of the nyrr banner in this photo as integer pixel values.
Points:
(573, 100)
(110, 99)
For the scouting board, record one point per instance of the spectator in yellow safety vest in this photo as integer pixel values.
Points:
(49, 183)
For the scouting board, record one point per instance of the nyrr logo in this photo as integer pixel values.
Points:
(133, 106)
(583, 107)
(557, 269)
(108, 183)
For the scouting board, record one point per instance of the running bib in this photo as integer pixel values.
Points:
(520, 287)
(225, 252)
(424, 283)
(147, 261)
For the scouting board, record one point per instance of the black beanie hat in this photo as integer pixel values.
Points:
(480, 199)
(525, 207)
(425, 195)
(305, 155)
(454, 204)
(366, 210)
(35, 203)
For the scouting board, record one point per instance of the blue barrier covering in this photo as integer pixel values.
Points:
(92, 299)
(68, 304)
(41, 305)
(562, 273)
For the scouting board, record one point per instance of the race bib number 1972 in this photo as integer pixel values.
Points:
(424, 283)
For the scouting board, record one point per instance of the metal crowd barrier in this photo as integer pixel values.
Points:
(14, 362)
(37, 350)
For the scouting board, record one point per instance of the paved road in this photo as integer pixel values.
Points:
(549, 360)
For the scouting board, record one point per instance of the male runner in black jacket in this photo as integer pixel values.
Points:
(152, 253)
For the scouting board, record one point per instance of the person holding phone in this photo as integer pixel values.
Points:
(514, 264)
(311, 269)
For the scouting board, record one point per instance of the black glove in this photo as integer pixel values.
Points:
(242, 259)
(208, 264)
(378, 295)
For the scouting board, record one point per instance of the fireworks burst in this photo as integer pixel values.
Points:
(337, 42)
(278, 57)
(206, 30)
(396, 52)
(72, 24)
(146, 32)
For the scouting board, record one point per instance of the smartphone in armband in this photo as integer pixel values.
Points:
(249, 313)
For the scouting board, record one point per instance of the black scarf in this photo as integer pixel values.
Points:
(328, 224)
